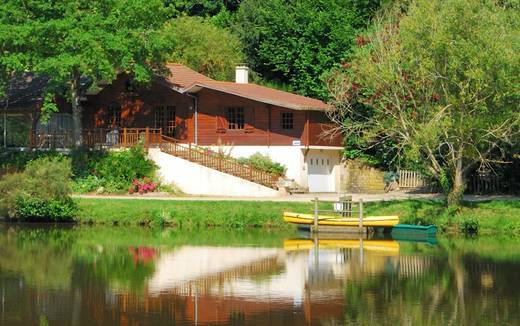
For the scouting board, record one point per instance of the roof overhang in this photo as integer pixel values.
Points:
(195, 88)
(327, 148)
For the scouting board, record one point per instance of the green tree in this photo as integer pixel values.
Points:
(203, 8)
(204, 47)
(297, 42)
(75, 41)
(441, 80)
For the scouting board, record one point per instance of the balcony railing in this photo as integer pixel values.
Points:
(124, 137)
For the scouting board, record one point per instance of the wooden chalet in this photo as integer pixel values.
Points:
(186, 108)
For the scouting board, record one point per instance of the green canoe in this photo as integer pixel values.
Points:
(429, 230)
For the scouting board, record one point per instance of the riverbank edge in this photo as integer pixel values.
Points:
(483, 217)
(489, 217)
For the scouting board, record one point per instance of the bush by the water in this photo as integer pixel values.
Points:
(42, 191)
(35, 209)
(264, 163)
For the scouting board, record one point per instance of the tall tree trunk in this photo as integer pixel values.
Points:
(458, 185)
(76, 112)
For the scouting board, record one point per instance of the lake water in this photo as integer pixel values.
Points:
(140, 276)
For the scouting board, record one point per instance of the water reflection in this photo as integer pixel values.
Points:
(118, 276)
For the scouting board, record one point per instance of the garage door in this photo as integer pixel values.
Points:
(320, 179)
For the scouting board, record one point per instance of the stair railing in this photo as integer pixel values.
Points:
(217, 161)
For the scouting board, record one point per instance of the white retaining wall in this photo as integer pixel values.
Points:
(295, 158)
(290, 156)
(196, 179)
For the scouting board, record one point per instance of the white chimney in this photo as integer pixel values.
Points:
(241, 74)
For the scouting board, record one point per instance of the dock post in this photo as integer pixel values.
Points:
(315, 214)
(360, 215)
(361, 252)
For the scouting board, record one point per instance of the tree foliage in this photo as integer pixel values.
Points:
(203, 8)
(297, 42)
(204, 47)
(71, 41)
(441, 81)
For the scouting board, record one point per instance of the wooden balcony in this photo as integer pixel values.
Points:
(124, 137)
(101, 138)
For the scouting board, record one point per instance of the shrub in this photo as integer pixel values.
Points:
(42, 191)
(35, 209)
(17, 159)
(86, 184)
(10, 189)
(142, 186)
(264, 163)
(119, 169)
(84, 161)
(48, 178)
(126, 165)
(110, 172)
(469, 225)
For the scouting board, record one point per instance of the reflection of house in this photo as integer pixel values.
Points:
(197, 265)
(223, 283)
(191, 108)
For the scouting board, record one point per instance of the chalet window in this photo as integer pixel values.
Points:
(113, 116)
(130, 86)
(165, 120)
(170, 121)
(235, 118)
(159, 116)
(287, 120)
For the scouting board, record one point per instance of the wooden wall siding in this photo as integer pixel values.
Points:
(212, 119)
(138, 112)
(318, 124)
(137, 108)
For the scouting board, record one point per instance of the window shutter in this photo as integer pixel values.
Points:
(221, 121)
(249, 117)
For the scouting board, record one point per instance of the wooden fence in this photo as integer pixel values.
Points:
(411, 179)
(218, 162)
(492, 183)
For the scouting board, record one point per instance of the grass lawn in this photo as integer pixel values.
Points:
(498, 216)
(186, 213)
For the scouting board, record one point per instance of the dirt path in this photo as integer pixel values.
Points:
(302, 197)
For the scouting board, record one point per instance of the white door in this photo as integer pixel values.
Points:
(320, 174)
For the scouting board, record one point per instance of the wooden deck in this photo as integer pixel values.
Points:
(99, 138)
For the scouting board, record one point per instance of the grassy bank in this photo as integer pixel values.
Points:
(186, 213)
(489, 217)
(496, 216)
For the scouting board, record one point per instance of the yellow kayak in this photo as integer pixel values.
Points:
(372, 221)
(388, 246)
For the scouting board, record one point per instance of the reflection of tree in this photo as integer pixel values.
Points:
(118, 268)
(41, 256)
(459, 290)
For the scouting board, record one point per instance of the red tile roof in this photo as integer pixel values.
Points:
(191, 81)
(182, 76)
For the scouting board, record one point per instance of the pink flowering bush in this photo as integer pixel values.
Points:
(142, 186)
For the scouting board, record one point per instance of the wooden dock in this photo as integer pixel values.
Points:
(344, 207)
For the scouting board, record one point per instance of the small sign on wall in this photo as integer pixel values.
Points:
(296, 142)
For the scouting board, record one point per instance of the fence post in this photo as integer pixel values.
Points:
(189, 150)
(146, 137)
(250, 171)
(360, 215)
(124, 137)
